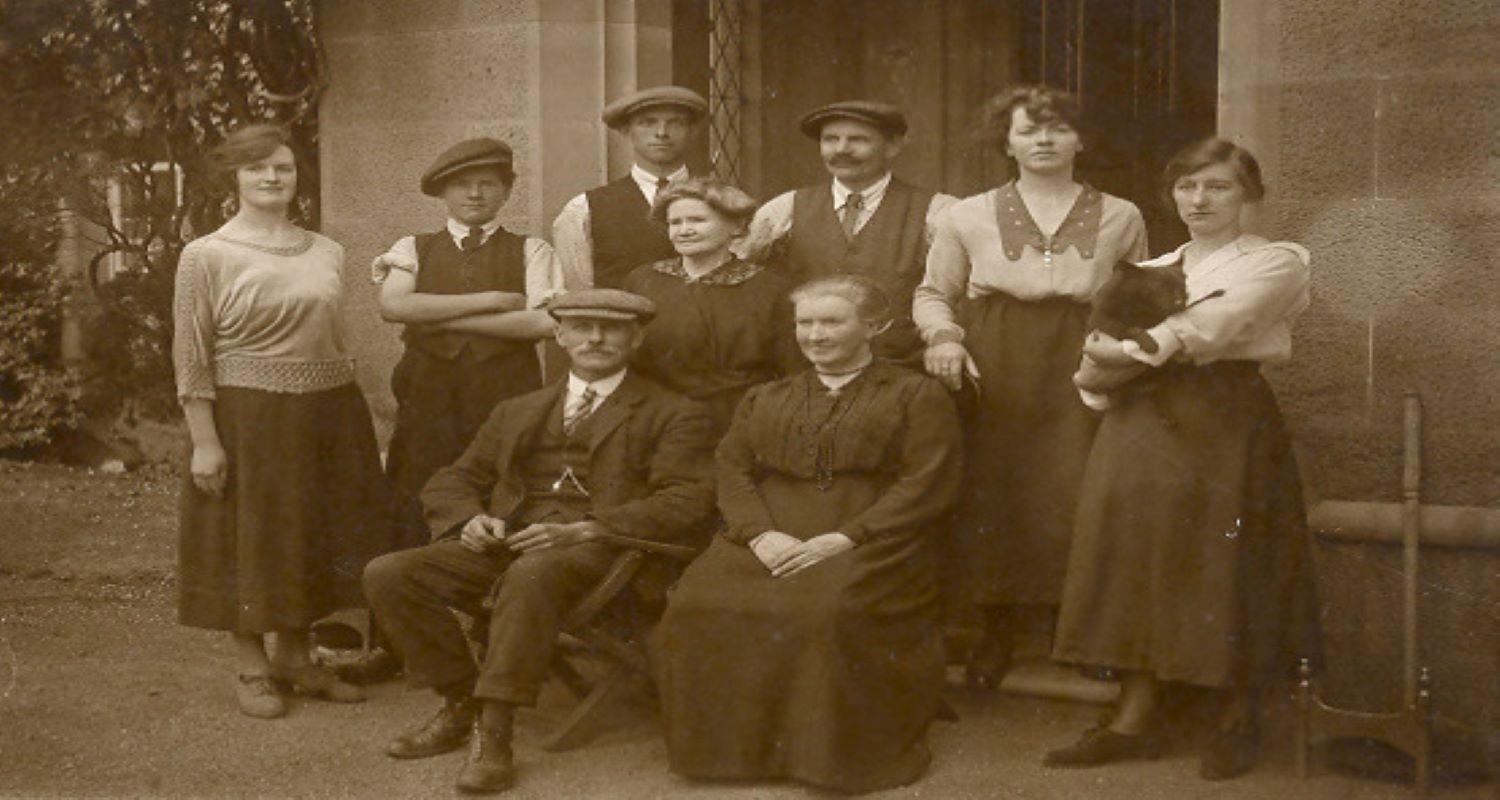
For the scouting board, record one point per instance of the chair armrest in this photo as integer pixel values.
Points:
(620, 574)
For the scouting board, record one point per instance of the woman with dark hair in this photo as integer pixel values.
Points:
(1189, 556)
(282, 504)
(723, 325)
(1004, 302)
(805, 643)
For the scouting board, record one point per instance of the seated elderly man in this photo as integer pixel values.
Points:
(553, 485)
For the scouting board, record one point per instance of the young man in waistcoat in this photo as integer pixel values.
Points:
(532, 516)
(864, 221)
(604, 233)
(469, 295)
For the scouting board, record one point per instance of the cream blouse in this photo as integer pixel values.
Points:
(259, 317)
(989, 243)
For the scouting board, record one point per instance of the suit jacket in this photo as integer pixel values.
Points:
(650, 464)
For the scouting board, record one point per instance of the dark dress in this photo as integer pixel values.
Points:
(832, 675)
(716, 336)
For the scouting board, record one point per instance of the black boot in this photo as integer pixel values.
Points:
(491, 766)
(991, 657)
(446, 731)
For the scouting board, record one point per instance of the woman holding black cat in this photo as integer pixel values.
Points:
(1004, 301)
(1189, 551)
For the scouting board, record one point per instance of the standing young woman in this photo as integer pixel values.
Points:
(1005, 298)
(282, 506)
(1189, 556)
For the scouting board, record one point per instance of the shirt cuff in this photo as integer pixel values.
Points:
(1167, 345)
(1094, 400)
(953, 335)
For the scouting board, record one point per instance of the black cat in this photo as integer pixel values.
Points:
(1136, 299)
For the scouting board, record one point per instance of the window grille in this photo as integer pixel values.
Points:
(725, 88)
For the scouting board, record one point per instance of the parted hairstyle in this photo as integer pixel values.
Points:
(870, 302)
(1042, 104)
(728, 201)
(1206, 153)
(247, 144)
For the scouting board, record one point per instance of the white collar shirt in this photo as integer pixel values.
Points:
(603, 388)
(870, 197)
(459, 231)
(648, 182)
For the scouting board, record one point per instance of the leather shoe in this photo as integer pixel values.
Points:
(258, 697)
(491, 766)
(319, 682)
(1230, 753)
(445, 732)
(376, 666)
(1103, 746)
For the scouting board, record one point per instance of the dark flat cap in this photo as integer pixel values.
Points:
(481, 152)
(603, 304)
(885, 117)
(618, 113)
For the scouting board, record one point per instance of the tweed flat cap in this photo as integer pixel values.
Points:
(603, 304)
(617, 114)
(885, 117)
(481, 152)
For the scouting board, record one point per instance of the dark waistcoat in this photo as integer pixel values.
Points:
(890, 250)
(497, 265)
(551, 454)
(623, 234)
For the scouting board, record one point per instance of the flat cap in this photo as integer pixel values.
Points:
(617, 114)
(481, 152)
(603, 304)
(885, 117)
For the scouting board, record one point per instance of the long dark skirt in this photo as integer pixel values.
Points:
(1190, 558)
(303, 509)
(1028, 441)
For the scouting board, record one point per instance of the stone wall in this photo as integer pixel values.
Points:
(408, 78)
(1378, 123)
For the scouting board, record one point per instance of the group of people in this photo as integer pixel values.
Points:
(773, 389)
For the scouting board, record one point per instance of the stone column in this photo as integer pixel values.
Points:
(407, 78)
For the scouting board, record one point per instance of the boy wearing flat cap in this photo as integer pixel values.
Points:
(556, 483)
(604, 233)
(469, 295)
(864, 221)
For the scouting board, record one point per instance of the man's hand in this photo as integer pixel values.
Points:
(771, 546)
(949, 362)
(544, 535)
(811, 552)
(483, 533)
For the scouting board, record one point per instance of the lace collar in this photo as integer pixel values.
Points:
(1079, 229)
(731, 273)
(294, 249)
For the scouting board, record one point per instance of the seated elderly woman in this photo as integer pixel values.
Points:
(805, 643)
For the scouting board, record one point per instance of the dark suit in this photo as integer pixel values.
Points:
(649, 462)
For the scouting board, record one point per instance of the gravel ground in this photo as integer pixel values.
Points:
(103, 695)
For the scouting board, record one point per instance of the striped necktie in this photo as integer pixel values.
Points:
(850, 221)
(578, 409)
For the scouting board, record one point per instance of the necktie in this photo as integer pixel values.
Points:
(850, 221)
(473, 240)
(578, 409)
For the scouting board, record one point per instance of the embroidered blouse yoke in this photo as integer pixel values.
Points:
(989, 243)
(258, 317)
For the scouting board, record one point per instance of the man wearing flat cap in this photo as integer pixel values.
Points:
(470, 296)
(604, 233)
(864, 221)
(555, 483)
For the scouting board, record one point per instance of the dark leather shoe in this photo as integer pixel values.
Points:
(1103, 746)
(988, 663)
(366, 669)
(1230, 753)
(445, 732)
(491, 767)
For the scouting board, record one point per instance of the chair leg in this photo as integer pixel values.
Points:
(570, 677)
(574, 729)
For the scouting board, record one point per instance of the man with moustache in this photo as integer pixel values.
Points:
(554, 483)
(864, 221)
(604, 233)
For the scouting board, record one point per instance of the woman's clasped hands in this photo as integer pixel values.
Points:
(785, 555)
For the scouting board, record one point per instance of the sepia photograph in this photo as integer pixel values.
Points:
(972, 399)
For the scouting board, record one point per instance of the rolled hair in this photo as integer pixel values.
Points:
(728, 201)
(1042, 103)
(247, 144)
(869, 301)
(1206, 153)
